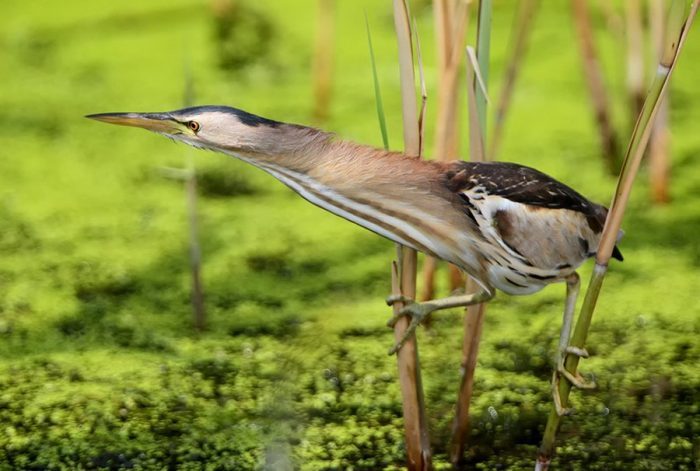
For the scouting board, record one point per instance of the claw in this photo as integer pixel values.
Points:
(561, 410)
(576, 379)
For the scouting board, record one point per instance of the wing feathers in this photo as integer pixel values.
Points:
(523, 185)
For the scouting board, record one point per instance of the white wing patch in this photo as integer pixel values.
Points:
(486, 207)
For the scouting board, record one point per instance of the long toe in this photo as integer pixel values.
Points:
(577, 380)
(406, 335)
(579, 352)
(417, 312)
(398, 298)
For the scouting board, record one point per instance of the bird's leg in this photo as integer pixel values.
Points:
(573, 283)
(418, 311)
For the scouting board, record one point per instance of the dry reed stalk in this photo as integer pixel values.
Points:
(613, 19)
(635, 58)
(659, 165)
(419, 454)
(596, 87)
(323, 59)
(477, 76)
(451, 20)
(473, 326)
(443, 10)
(474, 315)
(659, 146)
(677, 28)
(190, 177)
(198, 310)
(527, 10)
(447, 123)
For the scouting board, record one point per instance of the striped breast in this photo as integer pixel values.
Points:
(539, 229)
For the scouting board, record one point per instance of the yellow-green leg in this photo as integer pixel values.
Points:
(573, 284)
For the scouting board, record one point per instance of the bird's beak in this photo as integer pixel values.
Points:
(156, 122)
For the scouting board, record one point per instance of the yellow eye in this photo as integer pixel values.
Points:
(193, 125)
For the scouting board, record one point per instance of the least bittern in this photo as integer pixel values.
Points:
(509, 227)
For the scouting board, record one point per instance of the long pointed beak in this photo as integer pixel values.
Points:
(156, 122)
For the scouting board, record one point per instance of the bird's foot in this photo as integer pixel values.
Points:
(576, 379)
(417, 312)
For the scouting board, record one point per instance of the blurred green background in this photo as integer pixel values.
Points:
(100, 367)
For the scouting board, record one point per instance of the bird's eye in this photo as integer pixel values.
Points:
(193, 125)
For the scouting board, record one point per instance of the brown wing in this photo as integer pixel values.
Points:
(525, 185)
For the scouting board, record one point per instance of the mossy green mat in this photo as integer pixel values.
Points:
(99, 365)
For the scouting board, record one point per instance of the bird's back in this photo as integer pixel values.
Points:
(537, 230)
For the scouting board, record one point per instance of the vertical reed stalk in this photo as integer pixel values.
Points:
(614, 22)
(199, 312)
(323, 59)
(659, 145)
(474, 315)
(451, 21)
(483, 54)
(477, 76)
(190, 176)
(659, 165)
(635, 57)
(527, 10)
(404, 272)
(596, 87)
(677, 27)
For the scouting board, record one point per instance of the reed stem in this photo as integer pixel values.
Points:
(659, 145)
(323, 60)
(451, 21)
(596, 86)
(527, 10)
(419, 454)
(199, 316)
(678, 25)
(474, 315)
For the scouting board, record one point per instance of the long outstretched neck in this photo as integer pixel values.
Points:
(398, 197)
(318, 154)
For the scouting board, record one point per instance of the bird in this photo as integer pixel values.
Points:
(510, 227)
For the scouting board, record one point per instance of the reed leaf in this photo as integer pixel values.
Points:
(377, 90)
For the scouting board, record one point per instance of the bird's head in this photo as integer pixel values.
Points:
(218, 128)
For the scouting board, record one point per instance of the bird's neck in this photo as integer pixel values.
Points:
(313, 155)
(400, 198)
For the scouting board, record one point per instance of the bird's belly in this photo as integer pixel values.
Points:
(516, 282)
